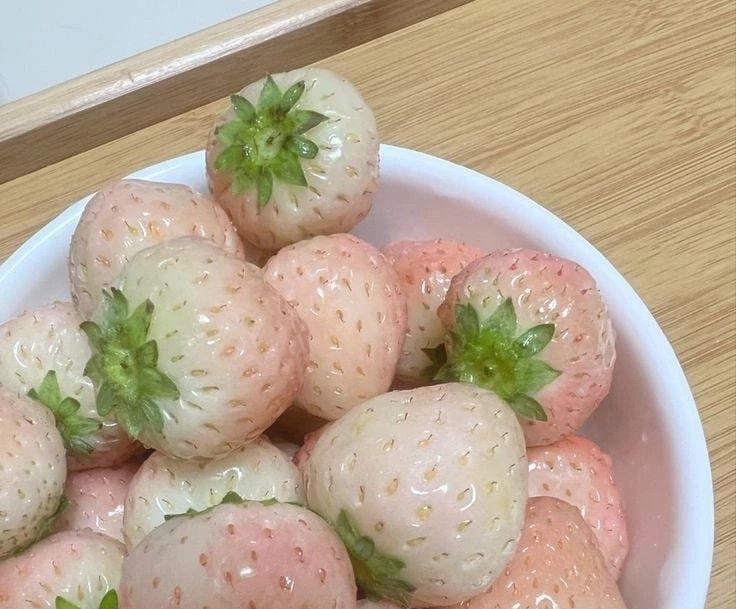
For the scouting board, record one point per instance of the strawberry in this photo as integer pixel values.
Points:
(577, 471)
(162, 486)
(425, 269)
(130, 215)
(71, 569)
(42, 353)
(426, 488)
(295, 155)
(349, 297)
(96, 500)
(557, 565)
(248, 555)
(532, 328)
(194, 353)
(366, 604)
(32, 472)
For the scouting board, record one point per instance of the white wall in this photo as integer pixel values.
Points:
(46, 42)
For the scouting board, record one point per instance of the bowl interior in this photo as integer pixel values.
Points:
(648, 423)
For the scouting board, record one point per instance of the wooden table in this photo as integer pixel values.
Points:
(617, 115)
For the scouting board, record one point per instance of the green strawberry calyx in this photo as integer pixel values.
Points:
(109, 601)
(376, 573)
(491, 354)
(266, 141)
(124, 365)
(72, 426)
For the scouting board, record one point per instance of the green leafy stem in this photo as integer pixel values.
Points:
(124, 365)
(72, 426)
(490, 354)
(377, 574)
(266, 141)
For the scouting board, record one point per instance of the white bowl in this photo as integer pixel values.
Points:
(649, 423)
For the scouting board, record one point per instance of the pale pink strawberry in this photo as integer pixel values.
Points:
(296, 155)
(425, 269)
(557, 565)
(130, 215)
(193, 352)
(427, 489)
(533, 328)
(163, 486)
(302, 455)
(245, 555)
(577, 471)
(80, 567)
(349, 297)
(49, 340)
(96, 500)
(32, 471)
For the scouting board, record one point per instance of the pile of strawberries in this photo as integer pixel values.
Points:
(148, 426)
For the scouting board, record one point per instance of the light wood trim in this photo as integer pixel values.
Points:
(106, 104)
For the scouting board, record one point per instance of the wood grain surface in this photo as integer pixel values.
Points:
(176, 77)
(618, 115)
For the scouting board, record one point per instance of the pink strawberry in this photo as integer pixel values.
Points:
(237, 554)
(96, 500)
(194, 353)
(296, 155)
(533, 328)
(78, 567)
(576, 470)
(557, 565)
(349, 297)
(425, 269)
(130, 215)
(32, 472)
(426, 488)
(44, 352)
(163, 486)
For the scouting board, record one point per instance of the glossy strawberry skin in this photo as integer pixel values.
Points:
(425, 269)
(78, 566)
(163, 485)
(251, 555)
(97, 500)
(557, 566)
(342, 178)
(349, 296)
(546, 289)
(577, 471)
(234, 348)
(435, 476)
(33, 470)
(128, 216)
(47, 339)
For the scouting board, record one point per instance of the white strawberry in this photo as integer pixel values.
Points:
(96, 500)
(425, 269)
(32, 472)
(163, 486)
(44, 352)
(427, 489)
(533, 328)
(194, 353)
(71, 569)
(349, 297)
(577, 471)
(296, 155)
(557, 566)
(130, 215)
(237, 555)
(366, 604)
